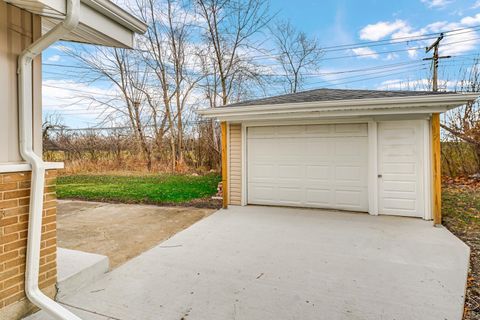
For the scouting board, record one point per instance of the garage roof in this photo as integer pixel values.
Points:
(101, 21)
(332, 95)
(323, 103)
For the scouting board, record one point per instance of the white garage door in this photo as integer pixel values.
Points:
(319, 166)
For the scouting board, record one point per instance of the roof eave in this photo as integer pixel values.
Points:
(379, 106)
(117, 14)
(101, 21)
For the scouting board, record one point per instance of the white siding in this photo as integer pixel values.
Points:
(17, 29)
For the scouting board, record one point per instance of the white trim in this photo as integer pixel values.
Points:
(427, 170)
(325, 113)
(372, 168)
(437, 103)
(244, 165)
(23, 166)
(285, 122)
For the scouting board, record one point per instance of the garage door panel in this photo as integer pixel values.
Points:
(289, 195)
(290, 171)
(349, 174)
(319, 197)
(357, 129)
(352, 199)
(320, 166)
(319, 130)
(264, 193)
(318, 172)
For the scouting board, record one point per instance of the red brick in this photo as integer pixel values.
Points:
(8, 274)
(15, 194)
(15, 227)
(8, 186)
(24, 201)
(9, 238)
(8, 256)
(17, 176)
(15, 245)
(8, 221)
(16, 211)
(8, 292)
(7, 204)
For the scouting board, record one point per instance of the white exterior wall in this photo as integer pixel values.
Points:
(17, 29)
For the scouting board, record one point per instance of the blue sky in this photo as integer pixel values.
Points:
(333, 23)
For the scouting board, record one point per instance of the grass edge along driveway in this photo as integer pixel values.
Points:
(151, 189)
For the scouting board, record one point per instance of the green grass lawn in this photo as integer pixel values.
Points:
(461, 215)
(158, 189)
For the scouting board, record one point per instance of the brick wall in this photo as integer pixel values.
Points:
(14, 205)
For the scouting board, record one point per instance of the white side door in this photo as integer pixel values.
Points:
(400, 168)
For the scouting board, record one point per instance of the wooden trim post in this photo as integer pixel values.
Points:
(436, 168)
(224, 164)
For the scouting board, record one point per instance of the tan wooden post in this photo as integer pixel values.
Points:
(224, 165)
(436, 167)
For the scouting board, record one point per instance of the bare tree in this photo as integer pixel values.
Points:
(166, 49)
(230, 28)
(129, 76)
(297, 54)
(464, 122)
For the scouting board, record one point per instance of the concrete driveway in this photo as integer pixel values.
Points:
(280, 263)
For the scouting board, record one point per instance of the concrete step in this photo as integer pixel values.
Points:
(77, 269)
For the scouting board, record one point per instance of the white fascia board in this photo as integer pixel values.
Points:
(378, 106)
(316, 114)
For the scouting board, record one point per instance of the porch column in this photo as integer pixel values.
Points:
(436, 167)
(224, 165)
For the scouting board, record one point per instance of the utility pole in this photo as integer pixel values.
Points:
(435, 58)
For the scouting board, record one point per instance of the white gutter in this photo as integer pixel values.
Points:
(33, 292)
(114, 12)
(438, 100)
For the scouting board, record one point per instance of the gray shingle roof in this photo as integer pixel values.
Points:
(332, 94)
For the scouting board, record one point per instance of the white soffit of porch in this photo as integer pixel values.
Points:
(101, 21)
(407, 105)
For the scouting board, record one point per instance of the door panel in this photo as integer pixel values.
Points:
(400, 159)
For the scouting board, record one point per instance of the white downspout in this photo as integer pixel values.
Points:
(25, 120)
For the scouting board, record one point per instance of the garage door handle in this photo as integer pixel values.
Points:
(379, 176)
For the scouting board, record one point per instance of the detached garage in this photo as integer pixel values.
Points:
(355, 150)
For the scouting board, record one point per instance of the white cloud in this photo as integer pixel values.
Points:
(379, 30)
(391, 56)
(436, 3)
(416, 85)
(458, 42)
(471, 21)
(54, 58)
(412, 53)
(365, 52)
(67, 98)
(476, 5)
